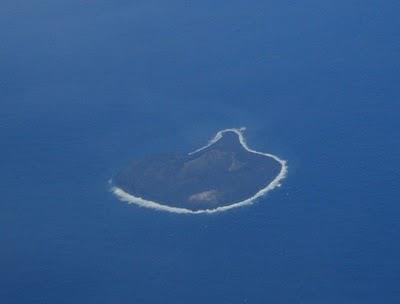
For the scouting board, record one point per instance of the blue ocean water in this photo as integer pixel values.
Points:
(86, 86)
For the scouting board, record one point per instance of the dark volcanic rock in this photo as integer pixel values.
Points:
(222, 174)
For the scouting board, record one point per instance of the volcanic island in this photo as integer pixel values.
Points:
(223, 175)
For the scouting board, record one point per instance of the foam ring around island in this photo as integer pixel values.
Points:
(131, 199)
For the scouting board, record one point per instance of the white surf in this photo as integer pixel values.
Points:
(131, 199)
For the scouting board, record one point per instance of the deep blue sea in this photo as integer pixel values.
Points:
(85, 86)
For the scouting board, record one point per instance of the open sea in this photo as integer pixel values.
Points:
(85, 86)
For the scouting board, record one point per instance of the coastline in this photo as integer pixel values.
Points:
(131, 199)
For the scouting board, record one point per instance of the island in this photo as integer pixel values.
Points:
(224, 174)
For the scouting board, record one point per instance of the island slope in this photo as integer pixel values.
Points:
(222, 175)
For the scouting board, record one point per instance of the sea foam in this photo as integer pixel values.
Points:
(131, 199)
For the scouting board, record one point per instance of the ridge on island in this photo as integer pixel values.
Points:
(222, 175)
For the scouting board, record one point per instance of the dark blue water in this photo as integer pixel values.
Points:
(87, 85)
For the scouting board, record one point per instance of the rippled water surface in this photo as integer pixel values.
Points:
(87, 86)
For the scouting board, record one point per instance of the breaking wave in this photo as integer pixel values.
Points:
(131, 199)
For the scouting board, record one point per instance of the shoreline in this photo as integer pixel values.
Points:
(131, 199)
